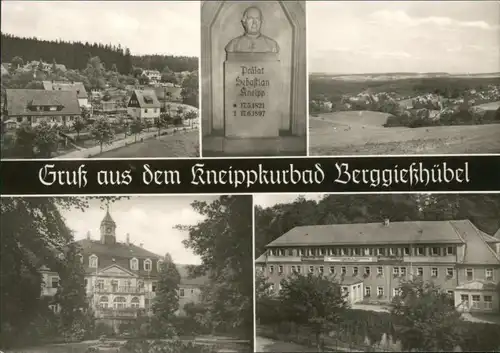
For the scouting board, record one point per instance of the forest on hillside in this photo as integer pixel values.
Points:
(75, 55)
(272, 222)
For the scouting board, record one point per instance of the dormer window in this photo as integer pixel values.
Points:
(134, 264)
(158, 265)
(93, 261)
(147, 265)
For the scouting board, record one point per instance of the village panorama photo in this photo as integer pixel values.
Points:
(94, 79)
(377, 273)
(127, 274)
(404, 77)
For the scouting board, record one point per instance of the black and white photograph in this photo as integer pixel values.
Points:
(87, 79)
(403, 77)
(127, 274)
(254, 78)
(377, 273)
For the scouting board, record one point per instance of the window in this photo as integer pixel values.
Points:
(332, 269)
(103, 302)
(489, 274)
(449, 272)
(367, 251)
(450, 293)
(100, 284)
(147, 265)
(380, 291)
(395, 292)
(392, 251)
(134, 264)
(464, 298)
(322, 252)
(434, 272)
(310, 252)
(450, 250)
(158, 265)
(380, 270)
(343, 251)
(271, 252)
(368, 291)
(469, 274)
(280, 287)
(281, 252)
(435, 251)
(381, 251)
(299, 269)
(420, 250)
(367, 270)
(311, 269)
(54, 282)
(301, 252)
(86, 281)
(280, 269)
(145, 110)
(181, 292)
(321, 269)
(293, 269)
(402, 270)
(488, 302)
(93, 261)
(119, 303)
(134, 303)
(407, 251)
(343, 270)
(357, 251)
(420, 271)
(395, 271)
(271, 287)
(345, 290)
(355, 271)
(153, 286)
(475, 301)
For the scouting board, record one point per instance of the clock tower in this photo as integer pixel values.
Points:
(108, 229)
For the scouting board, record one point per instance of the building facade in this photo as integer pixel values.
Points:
(154, 76)
(77, 87)
(34, 106)
(121, 278)
(375, 257)
(144, 105)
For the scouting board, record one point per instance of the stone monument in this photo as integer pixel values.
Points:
(253, 78)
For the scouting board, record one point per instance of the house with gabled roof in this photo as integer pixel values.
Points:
(121, 277)
(144, 105)
(35, 105)
(77, 87)
(372, 259)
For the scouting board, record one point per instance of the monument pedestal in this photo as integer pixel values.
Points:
(216, 146)
(252, 95)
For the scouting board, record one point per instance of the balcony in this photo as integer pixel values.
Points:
(390, 258)
(119, 313)
(119, 290)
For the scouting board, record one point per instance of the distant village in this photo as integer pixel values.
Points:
(38, 93)
(481, 104)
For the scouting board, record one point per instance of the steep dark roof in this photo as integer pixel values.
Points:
(107, 218)
(18, 101)
(147, 99)
(77, 87)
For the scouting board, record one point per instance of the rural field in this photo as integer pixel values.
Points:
(181, 144)
(362, 132)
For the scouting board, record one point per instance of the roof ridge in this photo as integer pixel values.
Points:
(476, 230)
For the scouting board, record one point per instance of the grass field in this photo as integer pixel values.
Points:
(182, 144)
(351, 133)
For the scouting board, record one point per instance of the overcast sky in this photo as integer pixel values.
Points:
(146, 27)
(148, 220)
(403, 36)
(269, 200)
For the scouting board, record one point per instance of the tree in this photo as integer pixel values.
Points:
(159, 123)
(46, 138)
(223, 240)
(78, 125)
(136, 127)
(25, 141)
(114, 68)
(190, 89)
(191, 115)
(54, 66)
(315, 301)
(102, 132)
(166, 302)
(17, 62)
(425, 318)
(95, 73)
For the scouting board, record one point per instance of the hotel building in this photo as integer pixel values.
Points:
(370, 260)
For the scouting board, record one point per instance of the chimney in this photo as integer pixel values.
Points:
(88, 235)
(386, 222)
(128, 239)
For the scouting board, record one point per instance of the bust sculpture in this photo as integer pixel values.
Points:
(252, 41)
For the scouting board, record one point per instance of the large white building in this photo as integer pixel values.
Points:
(121, 277)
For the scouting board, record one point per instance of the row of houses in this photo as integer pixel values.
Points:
(62, 102)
